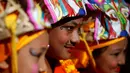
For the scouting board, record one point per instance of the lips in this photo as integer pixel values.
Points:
(117, 69)
(69, 48)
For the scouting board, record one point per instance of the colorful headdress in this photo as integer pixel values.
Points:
(60, 9)
(113, 22)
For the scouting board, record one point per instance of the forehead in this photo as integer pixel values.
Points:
(43, 39)
(121, 45)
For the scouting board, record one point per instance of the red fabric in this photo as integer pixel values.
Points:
(59, 69)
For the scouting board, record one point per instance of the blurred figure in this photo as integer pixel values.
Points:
(28, 41)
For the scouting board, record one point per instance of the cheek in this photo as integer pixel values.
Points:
(63, 38)
(113, 63)
(44, 40)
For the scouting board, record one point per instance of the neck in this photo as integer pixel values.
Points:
(53, 62)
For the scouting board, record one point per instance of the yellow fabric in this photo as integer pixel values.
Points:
(14, 55)
(84, 59)
(10, 21)
(106, 43)
(81, 58)
(68, 66)
(88, 26)
(87, 49)
(24, 40)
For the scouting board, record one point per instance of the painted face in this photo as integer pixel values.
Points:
(29, 57)
(118, 13)
(63, 38)
(112, 58)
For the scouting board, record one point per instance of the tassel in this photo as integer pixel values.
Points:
(10, 21)
(88, 50)
(14, 55)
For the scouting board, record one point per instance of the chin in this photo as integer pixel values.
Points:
(67, 56)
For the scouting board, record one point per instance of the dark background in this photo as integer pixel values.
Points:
(126, 67)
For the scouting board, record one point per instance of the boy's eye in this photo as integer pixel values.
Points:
(68, 28)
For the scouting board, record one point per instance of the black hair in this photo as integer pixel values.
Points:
(97, 52)
(65, 20)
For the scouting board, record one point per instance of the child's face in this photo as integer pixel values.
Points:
(112, 58)
(63, 38)
(28, 56)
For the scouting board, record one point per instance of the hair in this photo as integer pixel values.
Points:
(97, 52)
(65, 20)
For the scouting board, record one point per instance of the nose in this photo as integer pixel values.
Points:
(122, 60)
(42, 64)
(75, 37)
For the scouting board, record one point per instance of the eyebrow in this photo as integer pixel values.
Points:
(74, 23)
(79, 24)
(119, 49)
